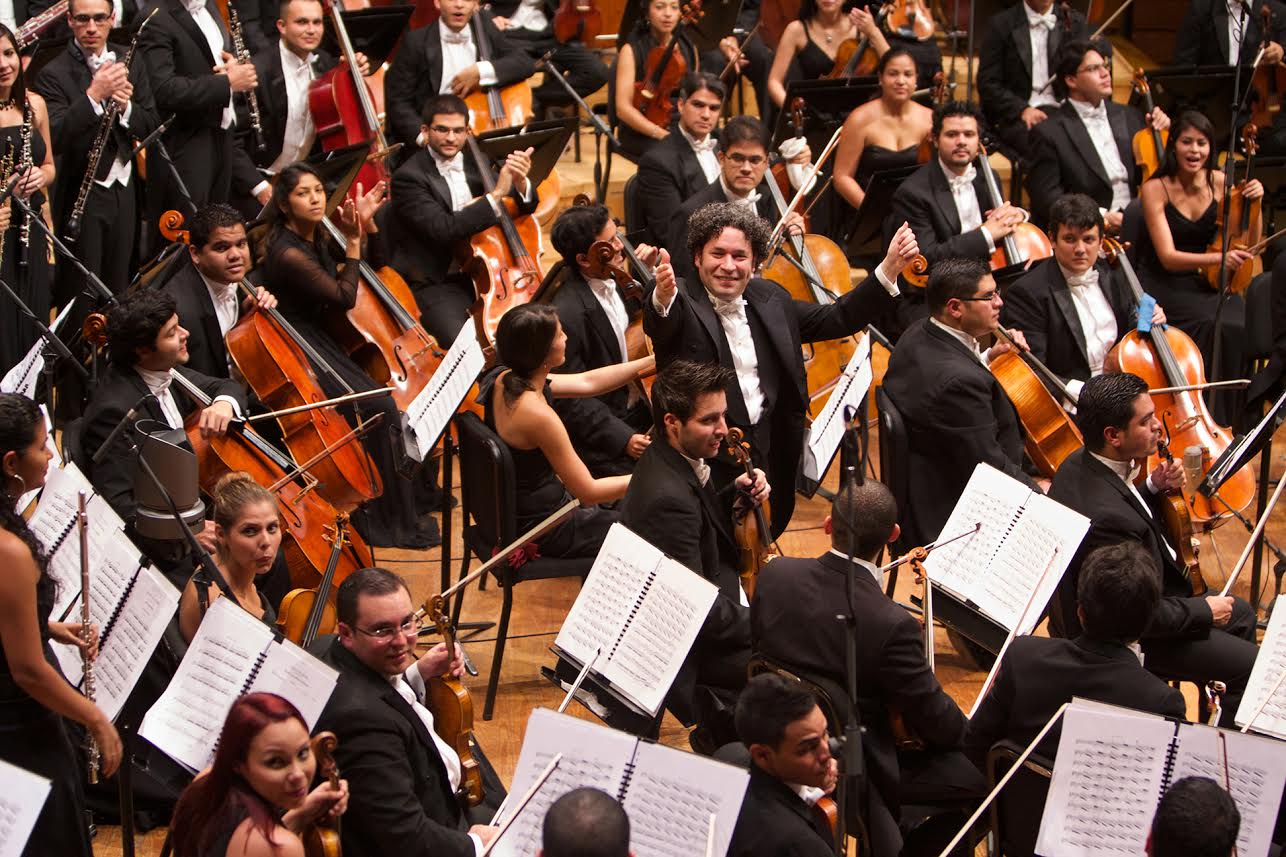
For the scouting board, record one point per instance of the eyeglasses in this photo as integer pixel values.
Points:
(385, 632)
(740, 159)
(449, 132)
(85, 19)
(987, 298)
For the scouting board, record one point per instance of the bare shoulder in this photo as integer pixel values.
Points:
(250, 841)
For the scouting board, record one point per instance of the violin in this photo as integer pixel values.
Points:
(780, 174)
(578, 20)
(1149, 144)
(1167, 357)
(663, 71)
(322, 839)
(1268, 82)
(1178, 526)
(754, 538)
(910, 19)
(452, 706)
(498, 259)
(854, 58)
(1028, 242)
(1050, 434)
(1243, 224)
(306, 613)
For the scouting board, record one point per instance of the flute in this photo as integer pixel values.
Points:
(92, 755)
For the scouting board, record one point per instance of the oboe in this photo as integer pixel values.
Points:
(6, 175)
(87, 666)
(243, 55)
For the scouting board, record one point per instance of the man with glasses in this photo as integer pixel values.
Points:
(404, 780)
(1086, 146)
(77, 85)
(955, 411)
(437, 200)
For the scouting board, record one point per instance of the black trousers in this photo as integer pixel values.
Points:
(444, 307)
(581, 67)
(106, 241)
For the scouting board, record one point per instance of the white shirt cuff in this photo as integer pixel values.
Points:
(478, 847)
(664, 311)
(260, 188)
(486, 74)
(414, 679)
(125, 114)
(890, 285)
(98, 108)
(797, 173)
(1152, 488)
(991, 242)
(525, 193)
(236, 408)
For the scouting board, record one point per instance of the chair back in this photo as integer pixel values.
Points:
(1259, 318)
(1016, 812)
(487, 486)
(634, 211)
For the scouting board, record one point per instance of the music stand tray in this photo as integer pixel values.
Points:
(827, 104)
(866, 240)
(1204, 88)
(548, 138)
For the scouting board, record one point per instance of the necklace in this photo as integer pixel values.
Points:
(8, 104)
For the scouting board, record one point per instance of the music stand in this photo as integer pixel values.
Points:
(866, 240)
(374, 31)
(338, 169)
(548, 138)
(718, 20)
(827, 104)
(1205, 88)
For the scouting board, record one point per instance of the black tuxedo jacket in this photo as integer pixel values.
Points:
(667, 505)
(603, 423)
(1039, 674)
(401, 800)
(274, 108)
(691, 331)
(117, 391)
(956, 415)
(73, 123)
(206, 351)
(1086, 485)
(1065, 161)
(924, 201)
(422, 226)
(416, 73)
(792, 620)
(1040, 305)
(1203, 35)
(775, 820)
(676, 242)
(667, 175)
(1004, 66)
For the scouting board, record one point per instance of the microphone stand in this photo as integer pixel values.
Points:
(601, 131)
(1230, 166)
(104, 294)
(53, 350)
(853, 784)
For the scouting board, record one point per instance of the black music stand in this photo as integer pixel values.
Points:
(827, 104)
(866, 240)
(374, 31)
(338, 169)
(1205, 88)
(548, 137)
(718, 19)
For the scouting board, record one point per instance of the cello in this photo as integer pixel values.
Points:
(452, 706)
(1167, 357)
(753, 536)
(1028, 242)
(306, 613)
(1049, 434)
(496, 106)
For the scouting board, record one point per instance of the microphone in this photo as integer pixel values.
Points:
(127, 420)
(1193, 472)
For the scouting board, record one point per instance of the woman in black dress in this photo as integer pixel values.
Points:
(312, 291)
(516, 397)
(257, 796)
(656, 26)
(247, 527)
(25, 267)
(34, 696)
(814, 40)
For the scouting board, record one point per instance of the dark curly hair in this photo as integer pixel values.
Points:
(19, 418)
(135, 322)
(708, 221)
(216, 215)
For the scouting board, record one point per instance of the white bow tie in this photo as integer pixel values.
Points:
(97, 62)
(1046, 21)
(1089, 278)
(702, 471)
(464, 37)
(706, 145)
(733, 308)
(965, 180)
(454, 165)
(194, 6)
(752, 198)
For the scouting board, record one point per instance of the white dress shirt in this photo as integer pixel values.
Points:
(300, 132)
(745, 361)
(1128, 470)
(750, 201)
(1100, 131)
(227, 306)
(410, 686)
(1236, 32)
(704, 150)
(964, 339)
(122, 167)
(870, 569)
(214, 38)
(1098, 321)
(1039, 27)
(452, 169)
(966, 199)
(158, 384)
(530, 15)
(7, 16)
(610, 300)
(458, 53)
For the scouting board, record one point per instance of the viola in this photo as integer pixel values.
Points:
(1050, 435)
(910, 19)
(343, 108)
(854, 58)
(602, 266)
(780, 174)
(499, 259)
(1167, 357)
(1027, 243)
(306, 613)
(305, 515)
(1149, 144)
(1243, 225)
(322, 839)
(663, 71)
(773, 18)
(578, 20)
(926, 152)
(753, 536)
(1178, 526)
(452, 706)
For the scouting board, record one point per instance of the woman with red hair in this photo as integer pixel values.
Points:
(254, 799)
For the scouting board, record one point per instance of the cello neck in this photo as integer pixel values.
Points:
(252, 437)
(304, 345)
(1170, 365)
(645, 274)
(1037, 364)
(1012, 254)
(514, 241)
(350, 57)
(404, 319)
(495, 105)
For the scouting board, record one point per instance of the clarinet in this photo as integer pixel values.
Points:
(92, 755)
(24, 228)
(104, 133)
(243, 55)
(6, 175)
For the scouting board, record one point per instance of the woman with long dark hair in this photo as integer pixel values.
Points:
(516, 397)
(311, 289)
(655, 28)
(34, 696)
(1180, 206)
(813, 41)
(257, 796)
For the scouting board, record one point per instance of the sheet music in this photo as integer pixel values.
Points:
(291, 672)
(1265, 675)
(826, 432)
(22, 797)
(1256, 773)
(1107, 781)
(593, 755)
(433, 408)
(671, 797)
(22, 377)
(992, 499)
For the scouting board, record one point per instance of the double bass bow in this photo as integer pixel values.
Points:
(753, 535)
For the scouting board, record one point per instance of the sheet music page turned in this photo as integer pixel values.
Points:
(1264, 677)
(433, 408)
(671, 797)
(22, 797)
(826, 432)
(1108, 776)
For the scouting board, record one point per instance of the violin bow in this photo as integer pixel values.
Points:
(779, 230)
